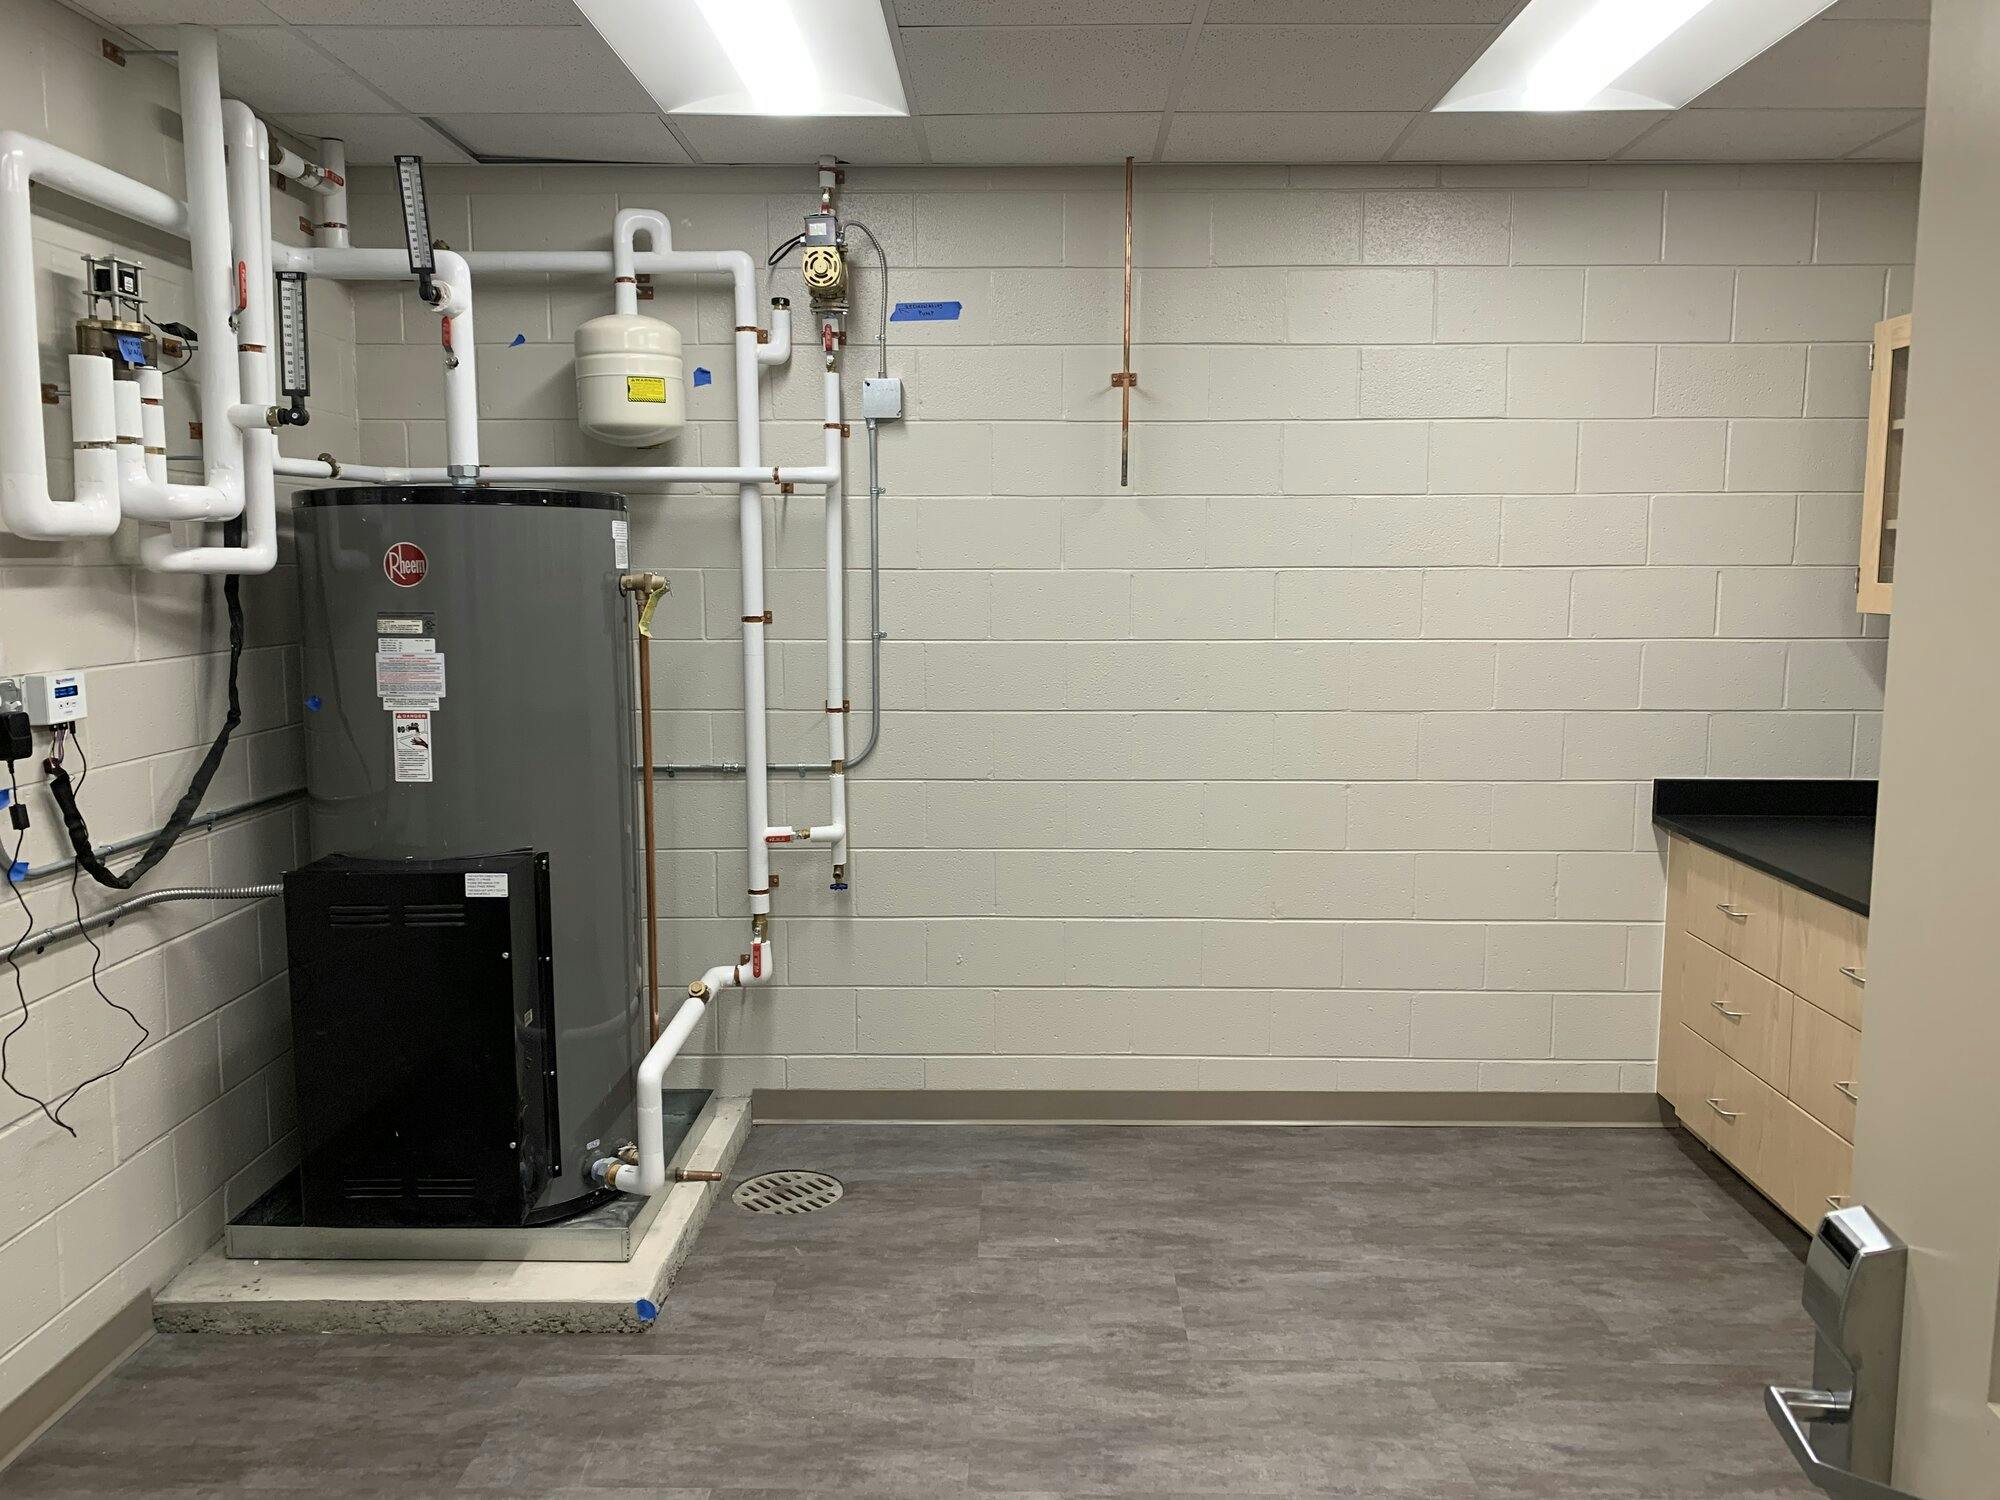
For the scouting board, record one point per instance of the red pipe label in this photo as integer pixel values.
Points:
(756, 960)
(777, 838)
(242, 286)
(444, 326)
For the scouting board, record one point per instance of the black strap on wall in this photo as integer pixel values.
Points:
(190, 803)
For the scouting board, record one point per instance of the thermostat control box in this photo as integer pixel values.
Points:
(54, 698)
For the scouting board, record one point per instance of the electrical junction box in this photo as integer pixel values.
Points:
(882, 398)
(54, 698)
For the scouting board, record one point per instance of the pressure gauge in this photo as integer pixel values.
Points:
(294, 362)
(417, 223)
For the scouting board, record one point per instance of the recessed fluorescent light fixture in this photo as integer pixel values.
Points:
(1561, 55)
(755, 57)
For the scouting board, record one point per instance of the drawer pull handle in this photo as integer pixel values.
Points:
(1836, 1200)
(1847, 1087)
(1734, 1015)
(1734, 913)
(1727, 1114)
(1854, 974)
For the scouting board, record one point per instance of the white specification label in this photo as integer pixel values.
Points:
(394, 703)
(483, 883)
(390, 645)
(410, 743)
(621, 543)
(409, 675)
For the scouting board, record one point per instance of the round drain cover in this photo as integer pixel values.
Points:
(787, 1192)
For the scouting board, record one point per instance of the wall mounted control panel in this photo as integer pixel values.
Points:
(54, 698)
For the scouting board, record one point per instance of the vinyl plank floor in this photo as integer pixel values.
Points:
(1032, 1312)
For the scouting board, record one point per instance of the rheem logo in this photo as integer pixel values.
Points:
(405, 565)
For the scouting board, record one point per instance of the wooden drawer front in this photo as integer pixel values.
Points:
(1736, 909)
(1826, 1057)
(1729, 1108)
(1808, 1170)
(1740, 1013)
(1824, 955)
(1680, 1062)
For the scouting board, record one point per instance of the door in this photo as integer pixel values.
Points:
(1927, 1157)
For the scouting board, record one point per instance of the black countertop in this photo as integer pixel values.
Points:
(1816, 835)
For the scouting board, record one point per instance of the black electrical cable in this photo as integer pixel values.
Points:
(785, 249)
(96, 960)
(20, 985)
(59, 783)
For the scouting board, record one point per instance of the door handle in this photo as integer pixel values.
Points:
(1716, 1105)
(1854, 973)
(1790, 1407)
(1734, 913)
(1847, 1087)
(1734, 1015)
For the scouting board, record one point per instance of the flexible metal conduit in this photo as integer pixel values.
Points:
(199, 824)
(35, 941)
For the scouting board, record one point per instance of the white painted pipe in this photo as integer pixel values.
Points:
(332, 230)
(461, 352)
(779, 350)
(248, 146)
(650, 1174)
(320, 178)
(625, 227)
(27, 507)
(836, 630)
(144, 492)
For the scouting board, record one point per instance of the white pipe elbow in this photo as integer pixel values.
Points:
(626, 227)
(779, 350)
(26, 504)
(144, 492)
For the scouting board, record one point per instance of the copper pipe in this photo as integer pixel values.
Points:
(695, 1174)
(651, 586)
(1125, 382)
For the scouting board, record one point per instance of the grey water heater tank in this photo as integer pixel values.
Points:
(467, 686)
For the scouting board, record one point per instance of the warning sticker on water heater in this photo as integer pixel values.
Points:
(651, 389)
(621, 543)
(410, 741)
(409, 674)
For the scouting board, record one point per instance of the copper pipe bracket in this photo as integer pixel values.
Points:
(763, 619)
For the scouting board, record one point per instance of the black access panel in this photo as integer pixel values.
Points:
(423, 1035)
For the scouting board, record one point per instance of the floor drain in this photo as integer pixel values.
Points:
(787, 1192)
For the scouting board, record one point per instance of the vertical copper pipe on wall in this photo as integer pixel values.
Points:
(651, 586)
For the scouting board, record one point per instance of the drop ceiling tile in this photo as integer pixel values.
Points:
(1762, 134)
(174, 12)
(1036, 140)
(429, 13)
(435, 70)
(1314, 67)
(275, 69)
(620, 138)
(375, 138)
(1906, 144)
(1358, 12)
(1832, 65)
(1041, 69)
(750, 140)
(1284, 138)
(1879, 10)
(1041, 12)
(1481, 136)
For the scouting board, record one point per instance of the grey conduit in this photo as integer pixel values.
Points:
(35, 941)
(200, 823)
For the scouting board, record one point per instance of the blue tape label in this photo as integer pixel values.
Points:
(702, 377)
(18, 871)
(131, 348)
(926, 312)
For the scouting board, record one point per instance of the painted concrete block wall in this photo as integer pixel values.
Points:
(200, 1120)
(1465, 503)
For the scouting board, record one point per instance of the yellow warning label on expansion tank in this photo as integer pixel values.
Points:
(651, 388)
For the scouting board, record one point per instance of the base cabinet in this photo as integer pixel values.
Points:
(1760, 1027)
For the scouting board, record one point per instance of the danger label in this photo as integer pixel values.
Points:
(410, 743)
(651, 389)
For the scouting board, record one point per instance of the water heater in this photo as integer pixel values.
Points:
(466, 963)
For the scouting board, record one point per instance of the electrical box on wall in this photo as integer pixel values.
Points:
(882, 398)
(54, 698)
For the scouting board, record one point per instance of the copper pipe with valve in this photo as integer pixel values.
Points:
(651, 588)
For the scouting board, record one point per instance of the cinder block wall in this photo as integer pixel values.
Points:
(1466, 502)
(200, 1121)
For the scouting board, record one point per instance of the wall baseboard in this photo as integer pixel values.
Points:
(75, 1375)
(1200, 1107)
